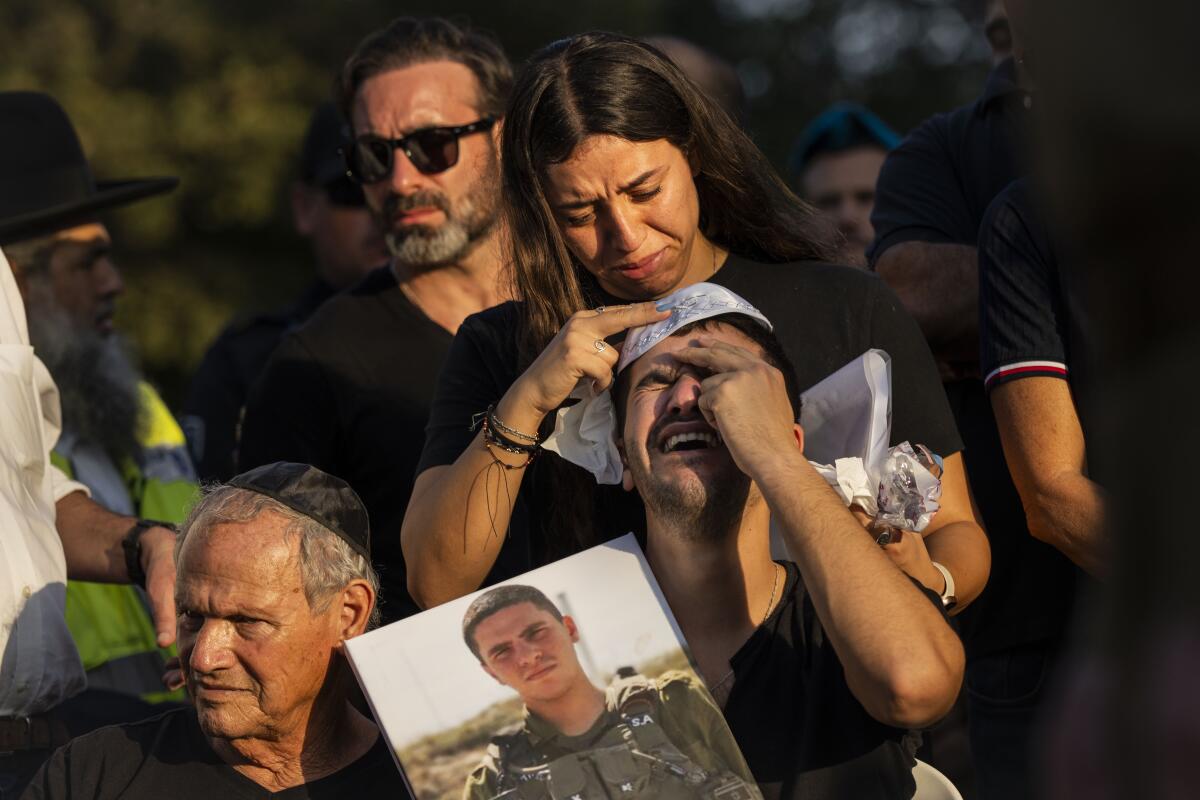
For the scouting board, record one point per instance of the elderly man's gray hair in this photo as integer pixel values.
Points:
(327, 562)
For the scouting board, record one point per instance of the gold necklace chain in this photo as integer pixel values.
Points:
(770, 607)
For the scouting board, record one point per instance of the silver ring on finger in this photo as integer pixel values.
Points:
(600, 345)
(600, 309)
(889, 535)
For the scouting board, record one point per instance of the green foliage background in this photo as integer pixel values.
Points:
(218, 92)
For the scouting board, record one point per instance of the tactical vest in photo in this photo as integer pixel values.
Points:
(631, 759)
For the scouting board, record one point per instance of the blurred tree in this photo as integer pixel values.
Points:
(218, 92)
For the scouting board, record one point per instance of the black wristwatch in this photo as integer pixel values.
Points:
(132, 544)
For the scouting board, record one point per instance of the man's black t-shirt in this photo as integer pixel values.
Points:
(217, 395)
(349, 392)
(802, 731)
(169, 756)
(824, 315)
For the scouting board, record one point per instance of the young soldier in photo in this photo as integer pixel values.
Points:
(639, 738)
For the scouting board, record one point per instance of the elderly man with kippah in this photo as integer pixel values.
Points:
(274, 575)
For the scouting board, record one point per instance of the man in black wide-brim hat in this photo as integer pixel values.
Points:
(117, 441)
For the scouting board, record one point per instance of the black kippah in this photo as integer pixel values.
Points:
(318, 495)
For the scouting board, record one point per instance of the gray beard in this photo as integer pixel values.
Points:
(467, 223)
(97, 381)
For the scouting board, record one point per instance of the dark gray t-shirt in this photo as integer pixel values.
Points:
(349, 393)
(168, 756)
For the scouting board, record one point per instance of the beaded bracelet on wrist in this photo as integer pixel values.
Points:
(493, 439)
(529, 457)
(493, 435)
(499, 426)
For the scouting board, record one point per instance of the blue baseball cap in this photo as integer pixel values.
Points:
(842, 126)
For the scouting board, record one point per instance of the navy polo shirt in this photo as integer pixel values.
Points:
(1032, 319)
(936, 187)
(937, 184)
(1031, 323)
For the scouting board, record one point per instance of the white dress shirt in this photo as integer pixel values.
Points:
(39, 665)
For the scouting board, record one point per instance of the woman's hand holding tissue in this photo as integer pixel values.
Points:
(906, 550)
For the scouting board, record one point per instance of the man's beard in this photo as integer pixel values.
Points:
(468, 220)
(96, 377)
(698, 510)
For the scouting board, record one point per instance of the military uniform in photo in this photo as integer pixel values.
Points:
(662, 738)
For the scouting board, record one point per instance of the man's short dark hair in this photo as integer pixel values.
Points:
(773, 354)
(408, 40)
(499, 599)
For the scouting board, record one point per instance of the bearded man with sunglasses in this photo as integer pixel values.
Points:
(350, 391)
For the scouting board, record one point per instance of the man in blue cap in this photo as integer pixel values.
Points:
(834, 165)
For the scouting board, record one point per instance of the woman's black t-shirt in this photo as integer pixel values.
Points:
(824, 316)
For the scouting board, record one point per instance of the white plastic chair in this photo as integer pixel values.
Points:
(933, 785)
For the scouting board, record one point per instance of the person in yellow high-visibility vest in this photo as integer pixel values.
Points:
(109, 622)
(121, 442)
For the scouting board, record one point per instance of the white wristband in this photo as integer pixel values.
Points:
(949, 599)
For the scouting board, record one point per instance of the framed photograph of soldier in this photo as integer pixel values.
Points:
(570, 682)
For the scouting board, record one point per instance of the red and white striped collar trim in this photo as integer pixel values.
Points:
(1026, 367)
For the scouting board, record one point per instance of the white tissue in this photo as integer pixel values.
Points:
(584, 434)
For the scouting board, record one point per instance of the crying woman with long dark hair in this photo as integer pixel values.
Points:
(623, 182)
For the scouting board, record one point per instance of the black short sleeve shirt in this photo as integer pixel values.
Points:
(169, 756)
(935, 187)
(1031, 323)
(212, 412)
(936, 184)
(803, 732)
(1031, 320)
(349, 392)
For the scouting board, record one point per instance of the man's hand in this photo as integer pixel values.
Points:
(92, 539)
(158, 562)
(745, 400)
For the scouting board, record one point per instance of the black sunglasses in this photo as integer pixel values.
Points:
(431, 150)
